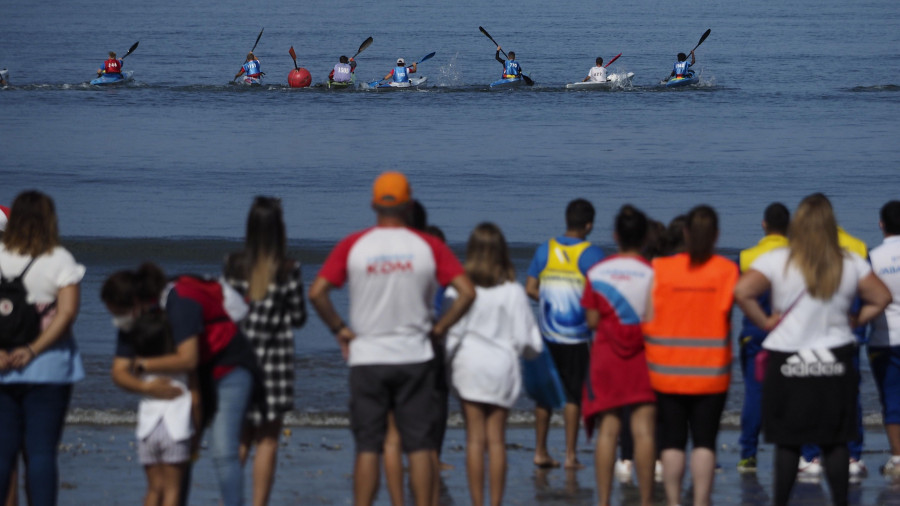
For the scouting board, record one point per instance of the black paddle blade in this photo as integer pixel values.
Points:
(257, 39)
(362, 47)
(528, 80)
(486, 34)
(132, 48)
(705, 35)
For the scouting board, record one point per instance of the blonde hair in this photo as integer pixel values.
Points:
(815, 250)
(32, 229)
(487, 257)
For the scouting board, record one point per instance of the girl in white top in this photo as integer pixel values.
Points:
(483, 351)
(810, 342)
(596, 74)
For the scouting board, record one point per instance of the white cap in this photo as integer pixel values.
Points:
(401, 61)
(4, 217)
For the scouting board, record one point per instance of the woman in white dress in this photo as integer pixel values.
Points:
(483, 351)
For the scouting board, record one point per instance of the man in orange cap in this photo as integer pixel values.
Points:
(393, 272)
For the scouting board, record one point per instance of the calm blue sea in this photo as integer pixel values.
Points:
(795, 97)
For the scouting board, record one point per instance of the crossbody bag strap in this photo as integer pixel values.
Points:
(25, 270)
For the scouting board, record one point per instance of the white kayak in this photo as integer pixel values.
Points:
(612, 81)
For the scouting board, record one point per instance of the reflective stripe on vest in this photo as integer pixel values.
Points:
(687, 342)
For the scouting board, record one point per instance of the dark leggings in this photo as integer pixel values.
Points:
(834, 459)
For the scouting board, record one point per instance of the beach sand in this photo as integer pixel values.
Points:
(98, 467)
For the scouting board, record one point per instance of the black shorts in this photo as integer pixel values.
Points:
(572, 362)
(408, 390)
(678, 415)
(810, 397)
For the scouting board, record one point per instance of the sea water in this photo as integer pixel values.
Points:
(794, 98)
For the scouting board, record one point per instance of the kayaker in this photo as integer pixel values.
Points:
(400, 73)
(111, 66)
(343, 71)
(596, 74)
(511, 68)
(251, 67)
(682, 67)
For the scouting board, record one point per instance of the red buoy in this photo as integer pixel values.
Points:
(299, 78)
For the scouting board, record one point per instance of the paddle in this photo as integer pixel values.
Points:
(614, 58)
(424, 58)
(362, 47)
(131, 49)
(527, 79)
(254, 47)
(702, 38)
(294, 56)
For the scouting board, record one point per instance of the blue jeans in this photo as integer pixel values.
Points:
(751, 412)
(233, 396)
(42, 409)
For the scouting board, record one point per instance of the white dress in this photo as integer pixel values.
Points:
(484, 347)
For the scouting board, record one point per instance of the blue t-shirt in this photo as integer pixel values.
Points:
(185, 316)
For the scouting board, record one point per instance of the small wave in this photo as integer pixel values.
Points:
(877, 87)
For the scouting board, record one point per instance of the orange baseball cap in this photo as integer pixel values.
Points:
(391, 189)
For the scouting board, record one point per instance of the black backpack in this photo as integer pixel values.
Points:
(20, 322)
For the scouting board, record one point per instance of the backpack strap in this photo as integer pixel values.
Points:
(22, 274)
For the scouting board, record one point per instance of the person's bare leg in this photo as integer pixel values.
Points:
(542, 457)
(643, 430)
(172, 475)
(12, 498)
(475, 443)
(893, 435)
(365, 478)
(265, 461)
(572, 417)
(703, 472)
(673, 473)
(605, 454)
(155, 484)
(436, 484)
(421, 476)
(393, 462)
(496, 442)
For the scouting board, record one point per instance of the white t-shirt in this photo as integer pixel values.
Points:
(811, 323)
(47, 274)
(174, 413)
(484, 346)
(886, 265)
(393, 273)
(597, 74)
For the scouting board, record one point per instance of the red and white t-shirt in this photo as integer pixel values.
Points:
(393, 274)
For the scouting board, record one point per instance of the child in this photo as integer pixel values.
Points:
(164, 426)
(483, 351)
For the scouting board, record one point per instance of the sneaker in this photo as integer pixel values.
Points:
(657, 472)
(810, 469)
(891, 468)
(623, 470)
(747, 465)
(857, 468)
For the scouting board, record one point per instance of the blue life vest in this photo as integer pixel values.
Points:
(511, 68)
(401, 74)
(342, 73)
(252, 68)
(682, 67)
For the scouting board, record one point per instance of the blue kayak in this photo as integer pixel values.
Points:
(513, 82)
(683, 81)
(107, 79)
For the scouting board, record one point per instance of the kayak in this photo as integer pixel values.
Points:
(250, 81)
(334, 85)
(512, 82)
(612, 81)
(687, 80)
(4, 76)
(107, 79)
(414, 82)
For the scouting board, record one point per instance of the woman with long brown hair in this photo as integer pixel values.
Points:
(483, 351)
(810, 344)
(272, 285)
(37, 366)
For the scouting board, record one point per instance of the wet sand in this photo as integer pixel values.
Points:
(98, 467)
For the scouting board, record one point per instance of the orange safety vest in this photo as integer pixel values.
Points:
(687, 342)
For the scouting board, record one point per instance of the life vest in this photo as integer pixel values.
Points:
(401, 74)
(510, 69)
(112, 66)
(687, 342)
(561, 283)
(681, 68)
(252, 68)
(342, 73)
(221, 311)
